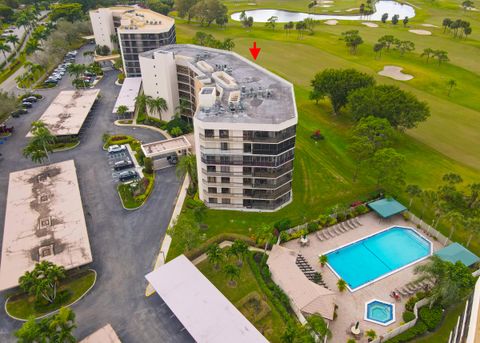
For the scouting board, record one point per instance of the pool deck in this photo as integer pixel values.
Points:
(351, 306)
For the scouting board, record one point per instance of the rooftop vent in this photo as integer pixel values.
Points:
(43, 198)
(45, 251)
(44, 223)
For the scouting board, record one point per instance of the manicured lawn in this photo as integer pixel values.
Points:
(271, 324)
(443, 332)
(23, 306)
(447, 142)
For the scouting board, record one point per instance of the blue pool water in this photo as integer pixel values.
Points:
(380, 312)
(373, 257)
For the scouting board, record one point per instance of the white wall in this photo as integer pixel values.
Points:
(102, 25)
(159, 77)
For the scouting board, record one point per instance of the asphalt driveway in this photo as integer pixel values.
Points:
(124, 243)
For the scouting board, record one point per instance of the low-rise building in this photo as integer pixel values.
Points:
(44, 220)
(134, 29)
(244, 120)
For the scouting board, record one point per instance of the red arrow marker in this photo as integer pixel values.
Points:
(254, 51)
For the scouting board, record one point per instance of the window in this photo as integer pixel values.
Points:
(247, 147)
(223, 133)
(247, 181)
(211, 169)
(212, 179)
(224, 146)
(247, 171)
(225, 190)
(209, 133)
(226, 201)
(225, 180)
(212, 200)
(225, 169)
(224, 159)
(212, 190)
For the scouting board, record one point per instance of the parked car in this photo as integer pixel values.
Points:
(172, 159)
(128, 175)
(122, 165)
(116, 148)
(18, 113)
(6, 129)
(27, 104)
(31, 98)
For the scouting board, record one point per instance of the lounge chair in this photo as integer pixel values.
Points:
(401, 292)
(320, 238)
(343, 229)
(357, 221)
(351, 223)
(332, 232)
(408, 291)
(327, 234)
(347, 224)
(337, 231)
(322, 234)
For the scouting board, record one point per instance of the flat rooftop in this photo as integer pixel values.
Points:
(105, 334)
(205, 312)
(44, 220)
(128, 93)
(136, 18)
(68, 111)
(257, 95)
(166, 146)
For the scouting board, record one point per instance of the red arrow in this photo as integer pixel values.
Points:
(254, 51)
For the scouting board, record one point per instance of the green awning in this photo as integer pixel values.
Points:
(386, 208)
(457, 252)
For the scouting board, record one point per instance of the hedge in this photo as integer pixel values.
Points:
(431, 316)
(419, 329)
(408, 316)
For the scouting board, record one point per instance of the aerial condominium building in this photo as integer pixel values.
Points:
(244, 120)
(136, 30)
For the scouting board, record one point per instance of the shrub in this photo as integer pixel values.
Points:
(419, 329)
(361, 209)
(322, 220)
(121, 78)
(176, 131)
(406, 216)
(331, 221)
(196, 252)
(141, 117)
(312, 227)
(283, 224)
(410, 303)
(180, 123)
(408, 316)
(284, 236)
(148, 165)
(431, 316)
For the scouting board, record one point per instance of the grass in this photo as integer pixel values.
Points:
(75, 286)
(447, 142)
(132, 202)
(443, 332)
(271, 325)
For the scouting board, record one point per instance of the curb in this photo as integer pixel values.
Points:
(66, 149)
(165, 133)
(53, 312)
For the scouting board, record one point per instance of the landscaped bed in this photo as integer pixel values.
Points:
(77, 283)
(133, 195)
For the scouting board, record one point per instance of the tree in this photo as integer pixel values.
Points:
(239, 248)
(467, 31)
(352, 40)
(404, 46)
(300, 27)
(159, 6)
(319, 327)
(323, 259)
(13, 39)
(4, 48)
(446, 24)
(215, 255)
(188, 164)
(122, 110)
(413, 191)
(395, 19)
(386, 166)
(141, 101)
(264, 233)
(452, 282)
(184, 8)
(376, 131)
(402, 109)
(337, 84)
(231, 272)
(387, 40)
(208, 11)
(56, 328)
(405, 21)
(451, 84)
(271, 22)
(76, 70)
(361, 151)
(71, 12)
(428, 52)
(43, 280)
(377, 49)
(185, 232)
(228, 44)
(441, 55)
(472, 225)
(32, 46)
(157, 105)
(342, 285)
(39, 146)
(454, 218)
(467, 5)
(384, 17)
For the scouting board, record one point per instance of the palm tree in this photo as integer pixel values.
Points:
(342, 285)
(323, 259)
(122, 110)
(4, 48)
(427, 52)
(76, 70)
(215, 255)
(13, 39)
(451, 83)
(414, 191)
(188, 164)
(231, 272)
(141, 101)
(32, 46)
(264, 233)
(40, 144)
(454, 218)
(157, 105)
(473, 226)
(239, 248)
(43, 280)
(182, 107)
(319, 327)
(62, 325)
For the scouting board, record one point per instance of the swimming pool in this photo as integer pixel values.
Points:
(377, 256)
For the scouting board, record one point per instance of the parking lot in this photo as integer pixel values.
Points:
(122, 158)
(124, 243)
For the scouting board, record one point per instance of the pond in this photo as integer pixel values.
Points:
(382, 6)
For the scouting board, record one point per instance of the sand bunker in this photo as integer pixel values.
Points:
(331, 22)
(395, 73)
(429, 25)
(421, 32)
(325, 6)
(370, 24)
(351, 9)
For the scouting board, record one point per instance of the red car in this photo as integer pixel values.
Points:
(5, 129)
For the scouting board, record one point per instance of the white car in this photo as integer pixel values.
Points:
(116, 148)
